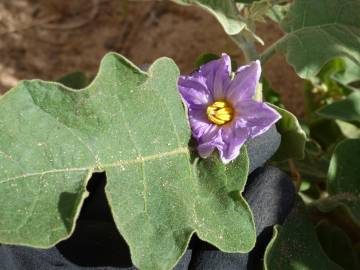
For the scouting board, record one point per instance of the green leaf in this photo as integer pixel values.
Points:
(132, 125)
(76, 80)
(205, 58)
(293, 137)
(225, 12)
(318, 31)
(331, 68)
(269, 94)
(349, 74)
(350, 131)
(337, 245)
(347, 109)
(344, 179)
(294, 245)
(277, 13)
(313, 192)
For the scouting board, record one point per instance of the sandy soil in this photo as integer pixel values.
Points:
(49, 38)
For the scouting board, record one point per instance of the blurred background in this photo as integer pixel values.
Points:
(48, 39)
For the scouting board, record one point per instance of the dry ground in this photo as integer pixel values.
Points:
(49, 38)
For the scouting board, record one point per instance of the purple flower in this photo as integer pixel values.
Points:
(222, 111)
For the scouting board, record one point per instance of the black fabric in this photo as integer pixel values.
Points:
(23, 258)
(262, 148)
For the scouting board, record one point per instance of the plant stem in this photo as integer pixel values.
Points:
(295, 174)
(270, 51)
(267, 54)
(247, 46)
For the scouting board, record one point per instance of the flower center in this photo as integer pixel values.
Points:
(220, 112)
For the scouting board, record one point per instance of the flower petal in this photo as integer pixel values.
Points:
(234, 138)
(205, 149)
(210, 139)
(243, 86)
(257, 116)
(194, 90)
(199, 123)
(217, 75)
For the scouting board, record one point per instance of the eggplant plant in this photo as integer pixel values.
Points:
(182, 152)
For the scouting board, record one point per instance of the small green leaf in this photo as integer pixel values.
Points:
(294, 245)
(225, 11)
(305, 186)
(205, 58)
(131, 125)
(349, 74)
(76, 80)
(318, 31)
(277, 13)
(293, 137)
(346, 110)
(344, 179)
(312, 193)
(350, 131)
(331, 68)
(269, 94)
(337, 245)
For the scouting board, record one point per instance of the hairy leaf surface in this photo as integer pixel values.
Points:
(344, 178)
(295, 246)
(318, 31)
(293, 137)
(132, 125)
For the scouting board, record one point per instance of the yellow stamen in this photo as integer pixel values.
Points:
(220, 112)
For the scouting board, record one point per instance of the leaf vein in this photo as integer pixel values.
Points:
(119, 163)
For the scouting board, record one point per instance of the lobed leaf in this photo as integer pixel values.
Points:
(293, 138)
(295, 246)
(344, 180)
(132, 125)
(318, 31)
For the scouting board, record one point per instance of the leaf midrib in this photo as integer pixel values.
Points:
(118, 163)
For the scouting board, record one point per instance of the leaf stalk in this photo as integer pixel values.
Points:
(247, 46)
